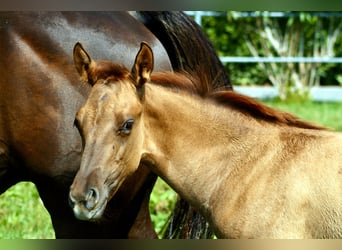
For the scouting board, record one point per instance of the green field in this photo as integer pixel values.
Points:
(328, 114)
(22, 214)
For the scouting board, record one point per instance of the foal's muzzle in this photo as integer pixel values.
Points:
(86, 206)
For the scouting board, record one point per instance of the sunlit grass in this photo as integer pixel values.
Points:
(328, 114)
(22, 215)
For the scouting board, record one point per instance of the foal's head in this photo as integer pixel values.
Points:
(111, 128)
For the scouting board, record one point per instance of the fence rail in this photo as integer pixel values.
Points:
(246, 59)
(319, 93)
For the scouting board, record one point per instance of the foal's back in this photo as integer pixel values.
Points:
(289, 187)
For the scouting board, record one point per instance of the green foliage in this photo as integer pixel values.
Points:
(22, 215)
(228, 37)
(229, 34)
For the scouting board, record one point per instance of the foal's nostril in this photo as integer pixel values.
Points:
(91, 198)
(88, 200)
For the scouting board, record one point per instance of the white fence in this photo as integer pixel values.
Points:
(321, 94)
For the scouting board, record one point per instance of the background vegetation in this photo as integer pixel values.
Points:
(290, 34)
(22, 214)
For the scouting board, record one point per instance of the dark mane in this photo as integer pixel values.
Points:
(232, 99)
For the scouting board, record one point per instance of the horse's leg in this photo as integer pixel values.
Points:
(143, 226)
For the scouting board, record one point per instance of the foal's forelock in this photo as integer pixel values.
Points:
(106, 70)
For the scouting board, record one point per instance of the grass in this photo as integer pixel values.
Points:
(22, 214)
(328, 114)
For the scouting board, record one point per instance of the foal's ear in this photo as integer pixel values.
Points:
(82, 62)
(143, 65)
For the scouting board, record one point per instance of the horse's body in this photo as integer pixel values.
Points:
(253, 172)
(40, 92)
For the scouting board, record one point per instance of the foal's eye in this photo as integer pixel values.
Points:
(126, 127)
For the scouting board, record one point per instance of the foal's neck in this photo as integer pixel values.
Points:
(190, 143)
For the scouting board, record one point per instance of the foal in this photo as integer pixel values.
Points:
(253, 172)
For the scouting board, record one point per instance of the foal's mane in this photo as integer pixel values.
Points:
(202, 87)
(229, 98)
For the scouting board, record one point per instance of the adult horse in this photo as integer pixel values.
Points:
(255, 172)
(40, 93)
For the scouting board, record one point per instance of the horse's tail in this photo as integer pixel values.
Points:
(189, 49)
